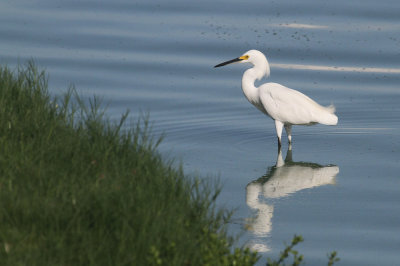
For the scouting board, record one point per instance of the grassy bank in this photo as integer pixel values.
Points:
(76, 189)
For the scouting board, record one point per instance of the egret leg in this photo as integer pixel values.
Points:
(279, 126)
(288, 129)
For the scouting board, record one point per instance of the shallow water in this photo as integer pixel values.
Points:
(341, 191)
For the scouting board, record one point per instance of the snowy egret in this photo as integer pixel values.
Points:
(286, 106)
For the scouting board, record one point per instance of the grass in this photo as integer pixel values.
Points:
(77, 189)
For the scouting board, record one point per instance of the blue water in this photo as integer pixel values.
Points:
(341, 188)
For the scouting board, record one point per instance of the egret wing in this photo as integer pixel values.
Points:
(288, 105)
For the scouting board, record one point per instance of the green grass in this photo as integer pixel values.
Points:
(77, 189)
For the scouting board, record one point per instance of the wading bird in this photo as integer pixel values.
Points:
(286, 106)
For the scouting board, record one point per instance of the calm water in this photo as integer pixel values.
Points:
(339, 187)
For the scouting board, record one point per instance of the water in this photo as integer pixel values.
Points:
(340, 191)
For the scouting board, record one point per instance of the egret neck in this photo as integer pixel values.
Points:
(257, 72)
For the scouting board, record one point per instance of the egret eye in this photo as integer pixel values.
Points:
(244, 57)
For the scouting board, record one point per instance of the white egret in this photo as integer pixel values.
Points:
(286, 106)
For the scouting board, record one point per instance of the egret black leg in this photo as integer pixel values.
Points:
(279, 126)
(288, 129)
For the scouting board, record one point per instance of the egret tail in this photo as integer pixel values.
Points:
(328, 117)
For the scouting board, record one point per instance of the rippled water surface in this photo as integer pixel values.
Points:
(339, 187)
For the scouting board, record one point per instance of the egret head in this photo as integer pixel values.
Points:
(253, 57)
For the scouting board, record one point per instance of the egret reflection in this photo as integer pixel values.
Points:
(284, 178)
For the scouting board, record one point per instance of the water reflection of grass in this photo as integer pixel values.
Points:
(76, 189)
